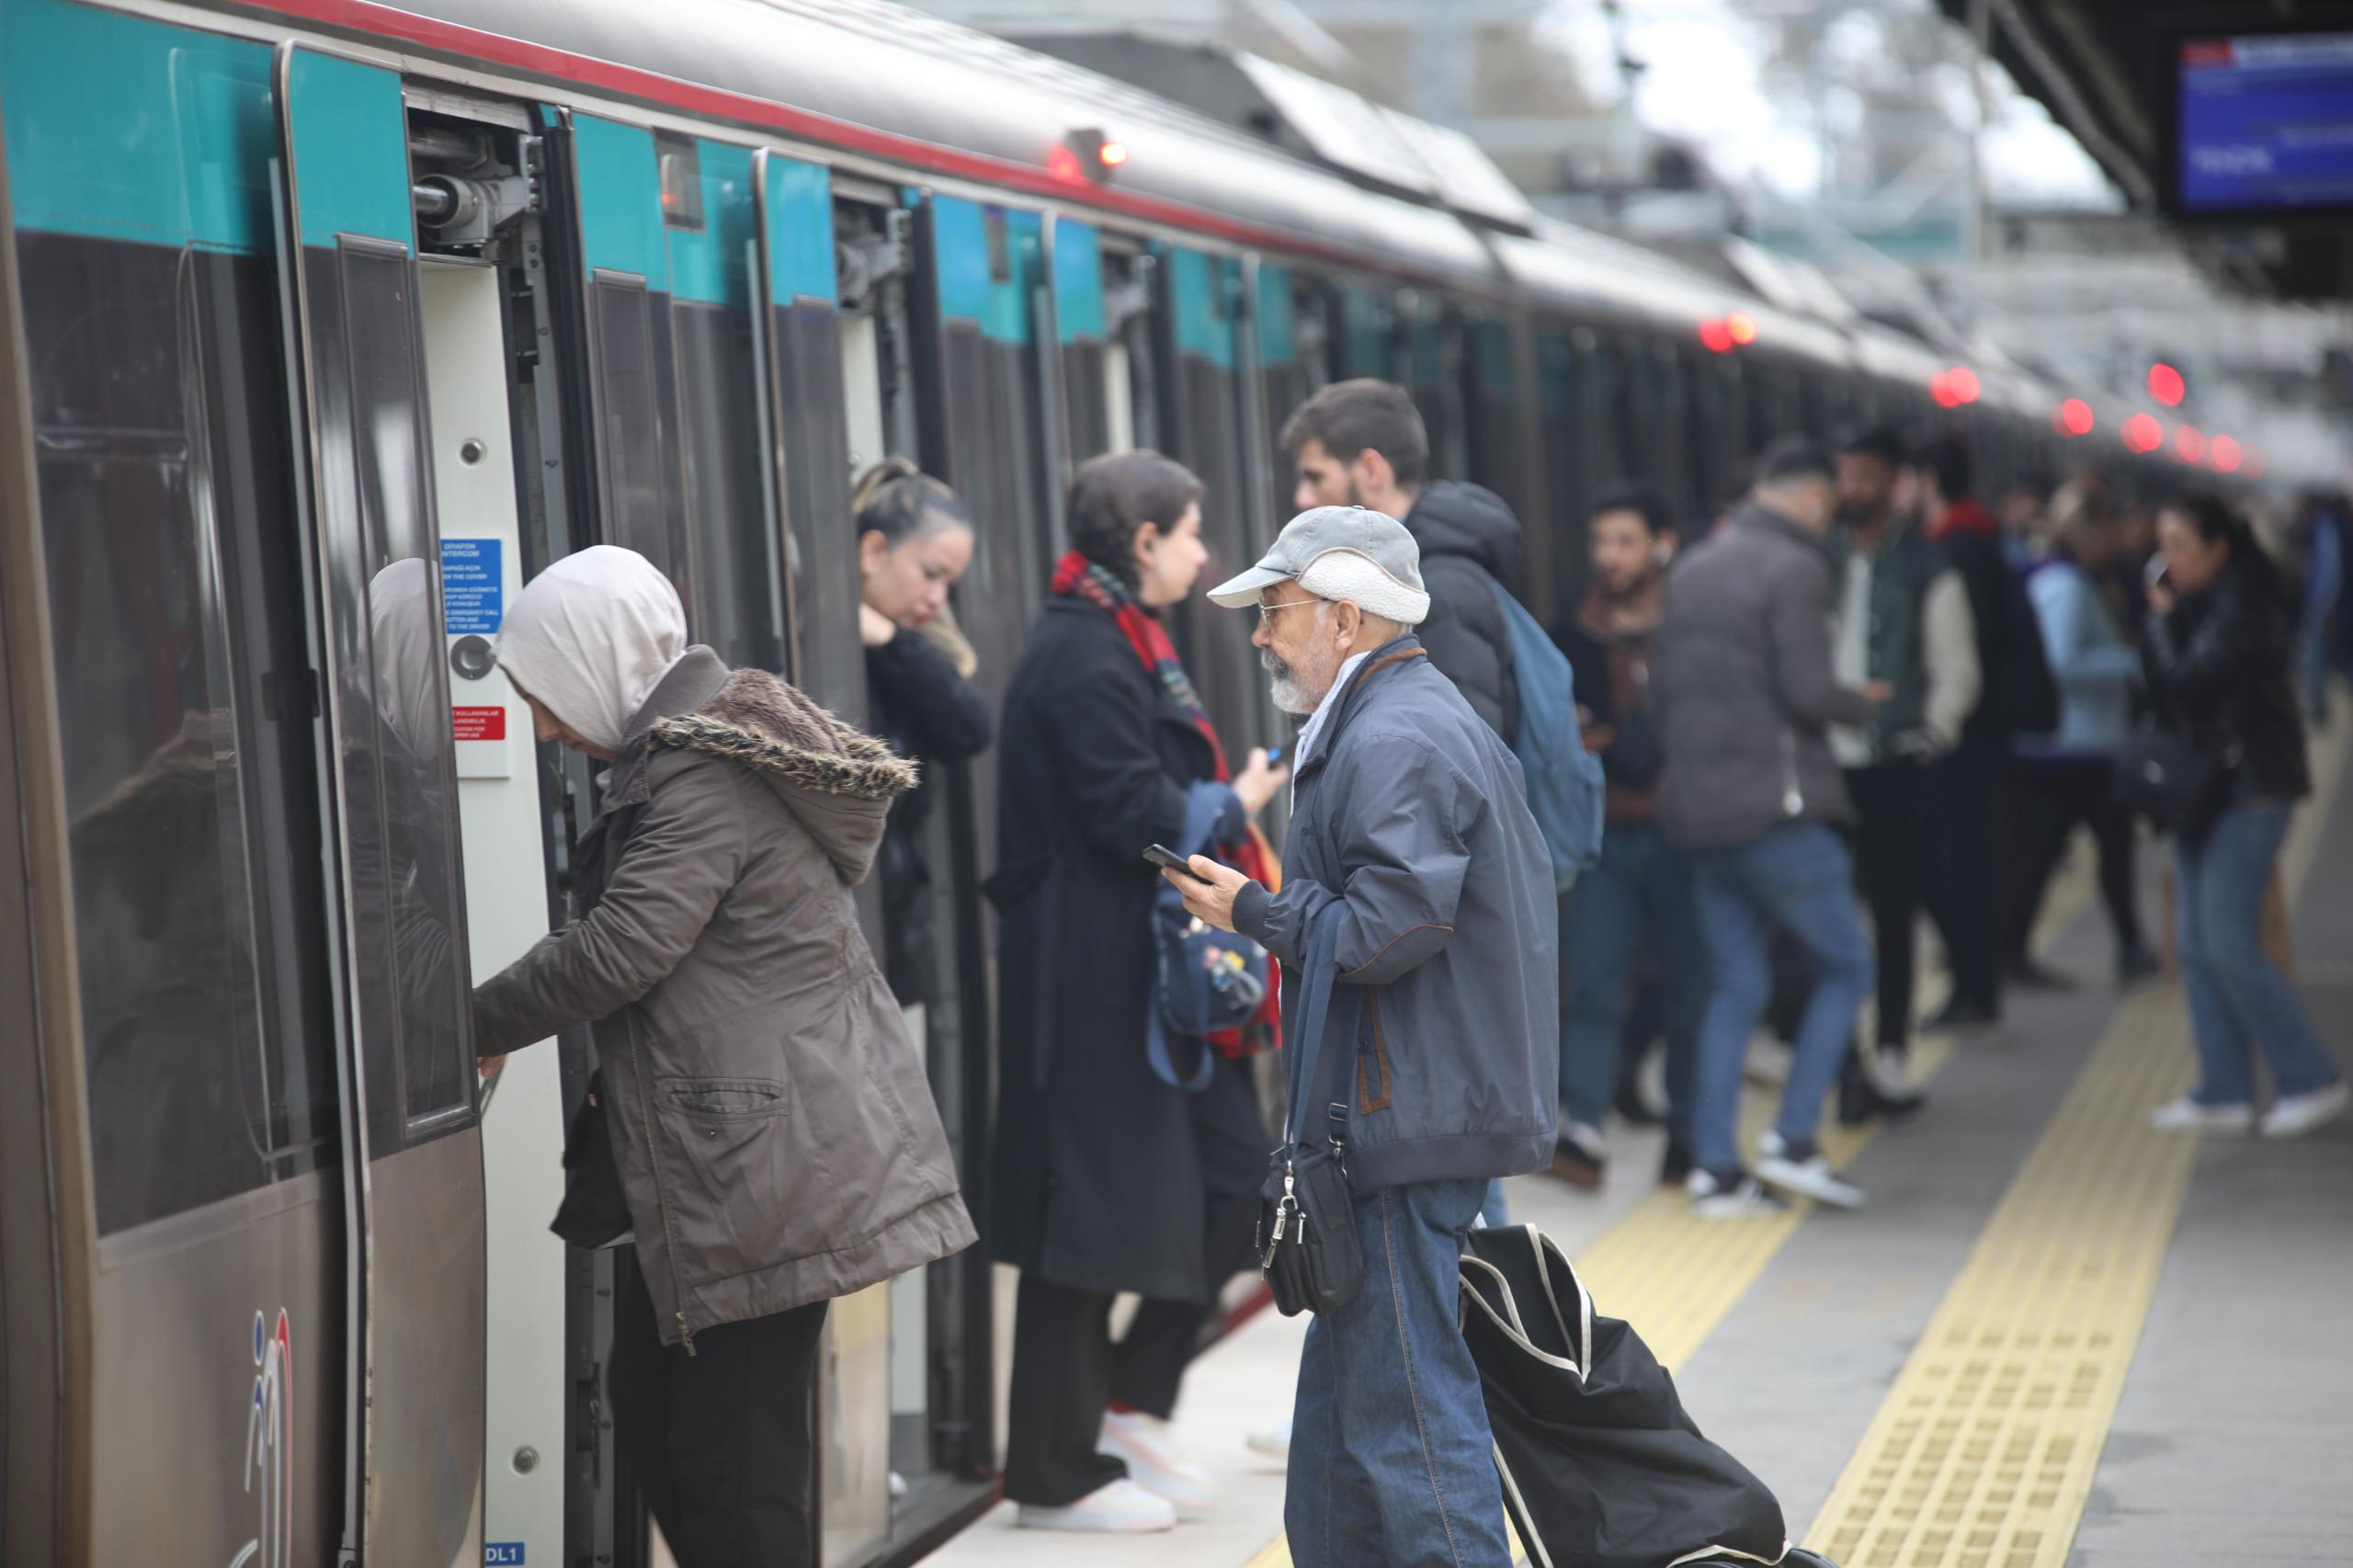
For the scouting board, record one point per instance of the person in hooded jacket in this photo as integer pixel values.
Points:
(764, 1123)
(2217, 654)
(1109, 1177)
(915, 540)
(1362, 443)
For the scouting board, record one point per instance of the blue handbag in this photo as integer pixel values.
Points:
(1205, 980)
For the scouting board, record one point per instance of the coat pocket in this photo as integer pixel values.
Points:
(721, 1100)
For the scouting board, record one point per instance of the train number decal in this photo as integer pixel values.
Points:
(269, 1445)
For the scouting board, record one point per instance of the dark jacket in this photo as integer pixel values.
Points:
(1745, 685)
(1470, 543)
(2218, 671)
(1904, 566)
(777, 1139)
(1104, 1178)
(930, 714)
(2010, 659)
(1612, 667)
(1412, 812)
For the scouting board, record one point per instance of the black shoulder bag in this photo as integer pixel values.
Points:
(1307, 1229)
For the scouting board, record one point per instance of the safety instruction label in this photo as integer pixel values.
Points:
(473, 589)
(479, 723)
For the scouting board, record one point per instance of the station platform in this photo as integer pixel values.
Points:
(2053, 1336)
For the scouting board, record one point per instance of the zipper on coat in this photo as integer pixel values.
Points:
(1793, 798)
(661, 1194)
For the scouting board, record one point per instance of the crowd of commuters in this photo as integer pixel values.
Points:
(1858, 697)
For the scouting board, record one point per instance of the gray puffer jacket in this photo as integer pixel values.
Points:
(1746, 688)
(777, 1139)
(1412, 813)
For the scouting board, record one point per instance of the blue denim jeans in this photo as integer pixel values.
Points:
(1392, 1462)
(1798, 878)
(2239, 1001)
(1640, 897)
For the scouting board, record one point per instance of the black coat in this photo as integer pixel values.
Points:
(1470, 542)
(1104, 1174)
(931, 715)
(2218, 671)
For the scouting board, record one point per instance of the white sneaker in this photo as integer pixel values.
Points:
(1889, 1074)
(2187, 1115)
(2293, 1116)
(1119, 1508)
(1274, 1443)
(1768, 1060)
(1805, 1171)
(1143, 1441)
(1736, 1199)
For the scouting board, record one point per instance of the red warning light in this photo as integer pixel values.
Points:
(1717, 336)
(1742, 326)
(2165, 385)
(1940, 387)
(1086, 155)
(1063, 163)
(2223, 453)
(2189, 446)
(1113, 154)
(1963, 381)
(2075, 416)
(2143, 434)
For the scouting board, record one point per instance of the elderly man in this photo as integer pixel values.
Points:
(1410, 813)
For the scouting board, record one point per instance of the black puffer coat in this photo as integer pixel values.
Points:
(1470, 542)
(2218, 671)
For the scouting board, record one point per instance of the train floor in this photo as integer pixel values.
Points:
(2052, 1336)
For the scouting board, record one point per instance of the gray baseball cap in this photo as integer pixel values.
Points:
(1352, 552)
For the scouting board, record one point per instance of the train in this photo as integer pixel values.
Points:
(323, 326)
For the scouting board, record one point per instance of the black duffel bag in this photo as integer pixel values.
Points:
(2181, 786)
(1600, 1466)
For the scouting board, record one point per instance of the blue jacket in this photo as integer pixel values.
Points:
(2095, 669)
(1413, 813)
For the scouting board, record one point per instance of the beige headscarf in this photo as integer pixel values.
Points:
(591, 637)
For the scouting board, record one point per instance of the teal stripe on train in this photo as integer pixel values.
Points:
(1078, 280)
(120, 128)
(970, 286)
(707, 266)
(801, 231)
(620, 200)
(1277, 332)
(1198, 288)
(350, 139)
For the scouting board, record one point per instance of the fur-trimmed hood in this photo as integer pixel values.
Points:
(838, 780)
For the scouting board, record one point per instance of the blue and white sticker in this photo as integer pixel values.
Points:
(473, 589)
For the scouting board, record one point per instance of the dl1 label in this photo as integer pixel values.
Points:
(503, 1555)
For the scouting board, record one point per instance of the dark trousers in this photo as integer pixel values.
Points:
(2048, 800)
(722, 1438)
(1891, 812)
(1964, 790)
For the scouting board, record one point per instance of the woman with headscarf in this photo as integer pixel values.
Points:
(772, 1138)
(1109, 1177)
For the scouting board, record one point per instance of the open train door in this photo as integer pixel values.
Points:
(413, 1259)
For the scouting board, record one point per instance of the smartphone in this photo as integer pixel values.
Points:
(1274, 755)
(1167, 859)
(2154, 574)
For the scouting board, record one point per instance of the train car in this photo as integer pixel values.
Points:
(323, 326)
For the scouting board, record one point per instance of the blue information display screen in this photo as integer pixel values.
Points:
(2266, 123)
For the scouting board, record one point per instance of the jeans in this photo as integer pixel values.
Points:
(1965, 809)
(1639, 897)
(2239, 1001)
(1797, 878)
(1392, 1462)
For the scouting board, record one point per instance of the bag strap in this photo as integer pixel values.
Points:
(1315, 1080)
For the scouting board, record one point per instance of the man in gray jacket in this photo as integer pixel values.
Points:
(1747, 693)
(1409, 813)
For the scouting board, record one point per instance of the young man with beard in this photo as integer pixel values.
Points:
(1902, 617)
(1361, 443)
(1410, 829)
(1637, 900)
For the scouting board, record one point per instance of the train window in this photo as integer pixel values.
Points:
(681, 176)
(628, 406)
(393, 714)
(174, 591)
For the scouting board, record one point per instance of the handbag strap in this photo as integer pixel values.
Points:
(1317, 1081)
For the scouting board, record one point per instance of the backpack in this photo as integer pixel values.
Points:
(1564, 785)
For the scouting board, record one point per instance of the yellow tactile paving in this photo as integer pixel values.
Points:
(1985, 1452)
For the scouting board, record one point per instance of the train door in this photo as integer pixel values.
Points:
(1097, 402)
(1285, 372)
(414, 1252)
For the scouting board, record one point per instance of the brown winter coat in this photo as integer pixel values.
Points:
(777, 1139)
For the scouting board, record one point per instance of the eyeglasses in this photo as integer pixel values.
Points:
(1267, 612)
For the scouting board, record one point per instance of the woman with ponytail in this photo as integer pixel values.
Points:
(1109, 1177)
(915, 540)
(2216, 652)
